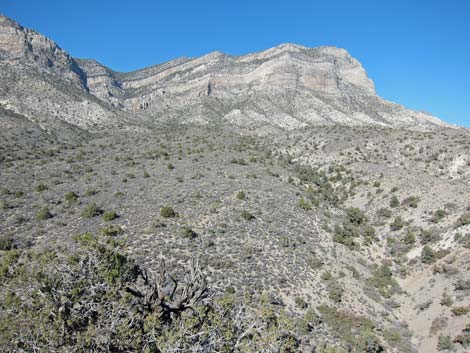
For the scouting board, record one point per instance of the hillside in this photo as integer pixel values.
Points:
(270, 202)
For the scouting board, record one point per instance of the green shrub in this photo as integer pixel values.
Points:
(6, 242)
(463, 220)
(187, 232)
(247, 215)
(383, 280)
(464, 338)
(109, 216)
(304, 204)
(71, 197)
(355, 215)
(462, 284)
(438, 216)
(397, 224)
(111, 230)
(460, 310)
(326, 276)
(167, 212)
(411, 201)
(91, 210)
(394, 202)
(43, 214)
(335, 291)
(428, 256)
(446, 299)
(41, 187)
(300, 303)
(241, 195)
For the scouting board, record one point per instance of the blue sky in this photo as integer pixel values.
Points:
(416, 51)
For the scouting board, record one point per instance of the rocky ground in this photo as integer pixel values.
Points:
(319, 218)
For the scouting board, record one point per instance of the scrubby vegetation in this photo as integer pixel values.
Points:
(297, 252)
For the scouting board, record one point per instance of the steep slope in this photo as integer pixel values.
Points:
(42, 82)
(288, 86)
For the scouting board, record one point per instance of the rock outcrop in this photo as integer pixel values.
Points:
(287, 87)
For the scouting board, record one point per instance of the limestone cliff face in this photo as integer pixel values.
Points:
(22, 45)
(288, 86)
(44, 83)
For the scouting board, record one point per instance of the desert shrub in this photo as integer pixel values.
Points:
(326, 275)
(309, 321)
(357, 331)
(464, 240)
(394, 202)
(383, 280)
(345, 233)
(146, 174)
(6, 242)
(430, 235)
(71, 196)
(300, 303)
(438, 215)
(170, 166)
(368, 342)
(462, 284)
(188, 233)
(411, 201)
(335, 291)
(241, 195)
(428, 256)
(91, 210)
(109, 216)
(43, 214)
(304, 204)
(464, 337)
(460, 310)
(324, 190)
(463, 220)
(111, 230)
(41, 187)
(444, 343)
(446, 299)
(409, 238)
(397, 224)
(167, 212)
(355, 215)
(247, 215)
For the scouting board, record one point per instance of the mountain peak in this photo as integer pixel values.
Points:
(287, 86)
(21, 44)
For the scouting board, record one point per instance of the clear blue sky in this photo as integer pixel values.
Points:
(416, 51)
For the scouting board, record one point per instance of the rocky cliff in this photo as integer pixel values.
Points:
(288, 86)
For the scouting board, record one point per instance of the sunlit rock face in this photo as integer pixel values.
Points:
(287, 87)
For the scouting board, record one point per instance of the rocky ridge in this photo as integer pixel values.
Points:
(286, 87)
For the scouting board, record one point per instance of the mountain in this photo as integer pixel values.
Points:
(269, 202)
(287, 87)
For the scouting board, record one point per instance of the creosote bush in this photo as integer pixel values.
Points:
(71, 196)
(247, 215)
(167, 212)
(241, 195)
(109, 216)
(43, 214)
(428, 256)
